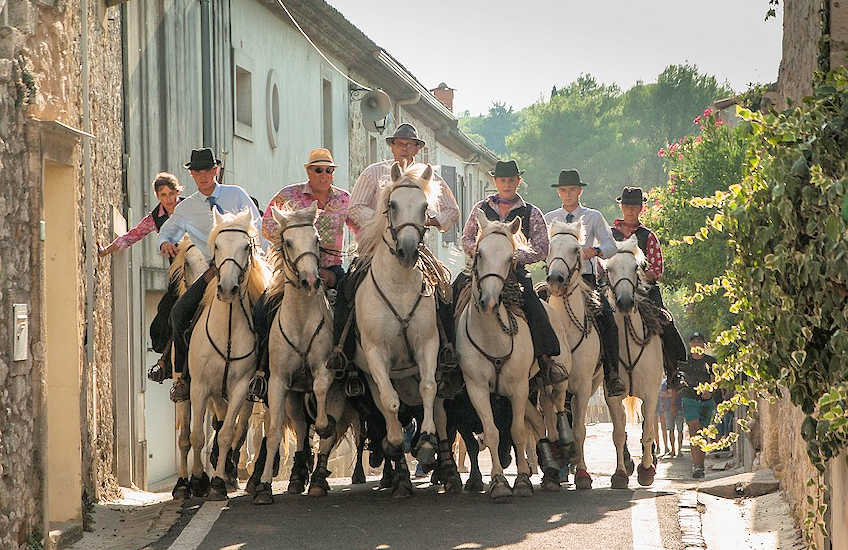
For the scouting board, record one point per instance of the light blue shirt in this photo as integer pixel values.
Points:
(595, 228)
(194, 217)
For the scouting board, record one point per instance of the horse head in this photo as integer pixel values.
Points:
(564, 262)
(623, 272)
(405, 204)
(232, 243)
(298, 247)
(494, 259)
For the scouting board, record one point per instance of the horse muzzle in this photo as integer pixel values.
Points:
(624, 304)
(556, 282)
(309, 282)
(489, 303)
(407, 252)
(227, 293)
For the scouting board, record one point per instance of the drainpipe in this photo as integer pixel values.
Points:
(206, 71)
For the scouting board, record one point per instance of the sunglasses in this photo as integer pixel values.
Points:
(319, 170)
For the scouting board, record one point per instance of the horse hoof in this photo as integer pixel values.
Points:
(582, 480)
(217, 489)
(182, 489)
(550, 480)
(385, 482)
(453, 484)
(499, 489)
(402, 489)
(629, 466)
(263, 494)
(318, 490)
(358, 478)
(619, 480)
(199, 485)
(296, 486)
(426, 449)
(250, 487)
(522, 487)
(645, 476)
(328, 430)
(474, 484)
(232, 483)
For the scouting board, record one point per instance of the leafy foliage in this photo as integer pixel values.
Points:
(492, 129)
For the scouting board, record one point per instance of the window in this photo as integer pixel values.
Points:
(327, 104)
(243, 95)
(372, 149)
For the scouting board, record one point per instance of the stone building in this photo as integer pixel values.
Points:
(60, 179)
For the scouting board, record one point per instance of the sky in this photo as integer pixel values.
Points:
(516, 51)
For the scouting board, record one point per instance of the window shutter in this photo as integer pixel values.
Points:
(449, 175)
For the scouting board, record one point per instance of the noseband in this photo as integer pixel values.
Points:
(394, 230)
(242, 268)
(292, 264)
(570, 270)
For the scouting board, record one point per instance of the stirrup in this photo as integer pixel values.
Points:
(257, 390)
(354, 386)
(156, 373)
(338, 363)
(447, 358)
(178, 395)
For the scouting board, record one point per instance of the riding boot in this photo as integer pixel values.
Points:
(162, 370)
(609, 342)
(545, 341)
(673, 346)
(264, 311)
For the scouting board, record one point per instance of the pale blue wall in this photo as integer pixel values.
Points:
(271, 43)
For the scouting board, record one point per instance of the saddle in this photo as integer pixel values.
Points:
(655, 317)
(512, 298)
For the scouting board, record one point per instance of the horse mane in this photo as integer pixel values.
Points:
(259, 274)
(176, 273)
(519, 241)
(371, 233)
(275, 252)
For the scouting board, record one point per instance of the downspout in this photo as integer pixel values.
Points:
(206, 71)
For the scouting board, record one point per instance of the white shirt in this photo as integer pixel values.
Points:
(595, 228)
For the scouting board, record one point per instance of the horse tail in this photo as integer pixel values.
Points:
(630, 409)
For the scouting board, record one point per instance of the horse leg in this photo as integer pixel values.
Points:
(325, 425)
(199, 479)
(447, 471)
(302, 463)
(358, 469)
(478, 393)
(472, 447)
(522, 487)
(182, 489)
(226, 434)
(428, 441)
(263, 493)
(620, 478)
(239, 437)
(335, 407)
(580, 406)
(386, 400)
(646, 470)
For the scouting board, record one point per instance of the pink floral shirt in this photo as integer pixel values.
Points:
(142, 229)
(330, 223)
(653, 251)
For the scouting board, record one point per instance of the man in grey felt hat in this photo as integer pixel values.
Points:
(599, 243)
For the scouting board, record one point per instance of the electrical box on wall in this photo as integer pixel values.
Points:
(20, 314)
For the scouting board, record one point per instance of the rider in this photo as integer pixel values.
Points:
(332, 217)
(505, 206)
(599, 243)
(167, 188)
(194, 216)
(632, 202)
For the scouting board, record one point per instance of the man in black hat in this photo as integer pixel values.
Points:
(505, 206)
(193, 216)
(599, 243)
(632, 202)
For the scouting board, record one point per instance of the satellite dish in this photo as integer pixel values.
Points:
(375, 106)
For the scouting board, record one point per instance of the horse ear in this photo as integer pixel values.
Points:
(515, 225)
(396, 172)
(217, 217)
(482, 220)
(278, 216)
(427, 174)
(314, 208)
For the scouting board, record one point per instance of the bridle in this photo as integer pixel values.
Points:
(228, 358)
(291, 265)
(394, 230)
(633, 284)
(476, 274)
(570, 270)
(585, 327)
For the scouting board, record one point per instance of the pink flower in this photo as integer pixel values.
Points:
(671, 178)
(708, 111)
(673, 147)
(661, 152)
(703, 126)
(698, 139)
(673, 188)
(679, 156)
(697, 119)
(719, 122)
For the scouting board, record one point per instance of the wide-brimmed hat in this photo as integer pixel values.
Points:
(505, 169)
(406, 131)
(202, 159)
(568, 178)
(632, 196)
(320, 157)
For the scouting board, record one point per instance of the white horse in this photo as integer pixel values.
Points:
(222, 357)
(640, 357)
(299, 345)
(396, 317)
(567, 288)
(495, 349)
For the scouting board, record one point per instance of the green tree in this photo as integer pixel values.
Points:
(491, 129)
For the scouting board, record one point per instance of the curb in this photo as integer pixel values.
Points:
(689, 519)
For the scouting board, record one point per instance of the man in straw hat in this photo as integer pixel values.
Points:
(193, 216)
(632, 202)
(330, 223)
(505, 206)
(598, 244)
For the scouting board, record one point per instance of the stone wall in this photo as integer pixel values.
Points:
(41, 79)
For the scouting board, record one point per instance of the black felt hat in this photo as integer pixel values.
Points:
(202, 159)
(506, 169)
(569, 178)
(632, 196)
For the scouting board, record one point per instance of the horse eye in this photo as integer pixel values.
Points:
(247, 247)
(288, 243)
(393, 205)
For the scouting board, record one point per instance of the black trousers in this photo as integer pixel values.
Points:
(673, 345)
(545, 341)
(265, 309)
(160, 328)
(181, 315)
(608, 331)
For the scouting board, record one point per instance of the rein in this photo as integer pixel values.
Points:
(290, 264)
(228, 358)
(302, 353)
(585, 327)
